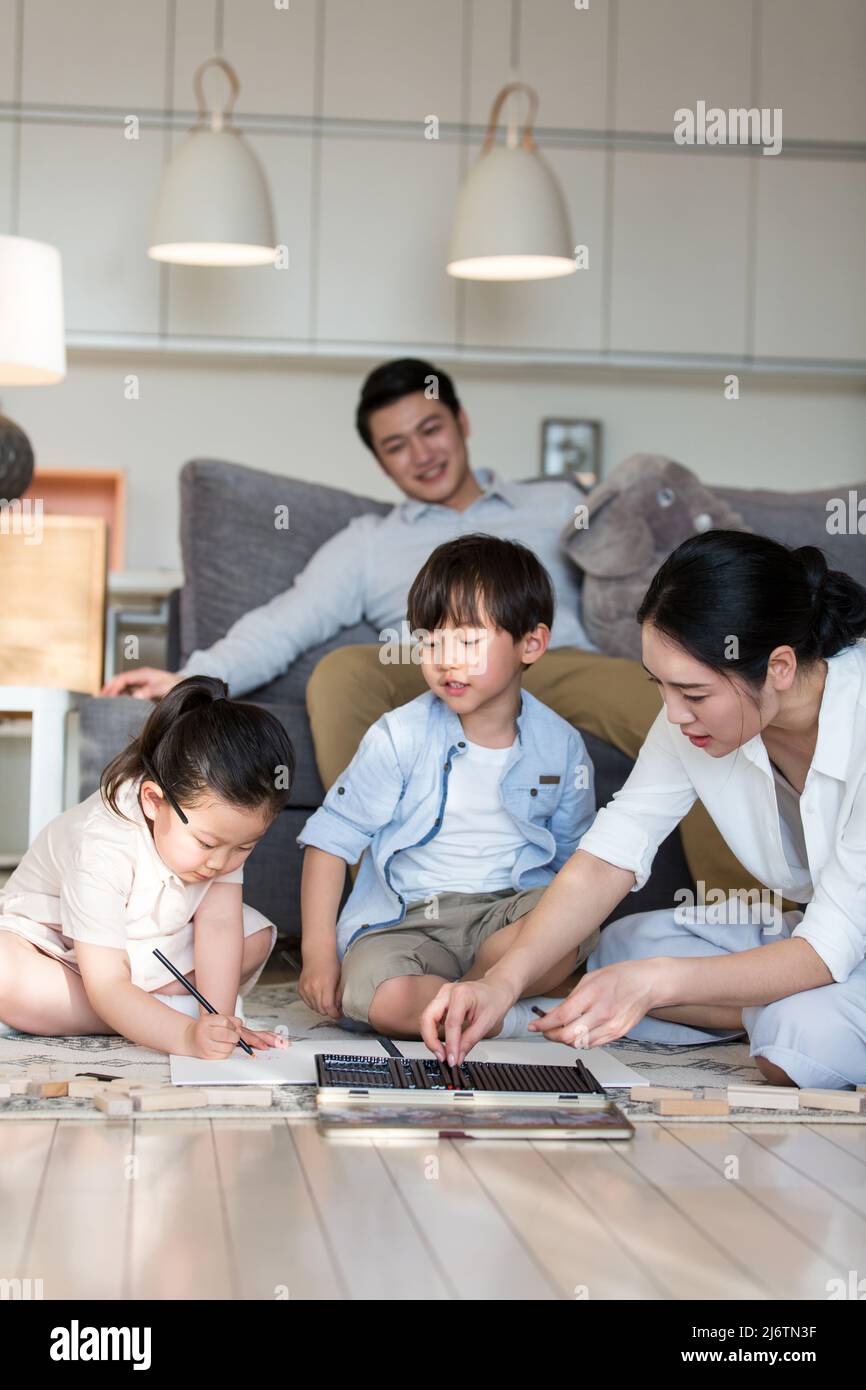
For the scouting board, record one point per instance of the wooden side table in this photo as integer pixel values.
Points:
(49, 711)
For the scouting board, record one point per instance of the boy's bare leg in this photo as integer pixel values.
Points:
(398, 1004)
(38, 994)
(494, 948)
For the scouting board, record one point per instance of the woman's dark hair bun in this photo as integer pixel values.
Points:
(731, 584)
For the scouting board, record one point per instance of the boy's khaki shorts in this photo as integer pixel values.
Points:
(444, 944)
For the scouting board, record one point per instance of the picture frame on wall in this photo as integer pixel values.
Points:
(571, 448)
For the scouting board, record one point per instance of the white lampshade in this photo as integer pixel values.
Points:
(511, 221)
(32, 343)
(214, 206)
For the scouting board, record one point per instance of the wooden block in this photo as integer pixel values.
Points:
(690, 1106)
(764, 1097)
(84, 1088)
(5, 1090)
(852, 1101)
(760, 1087)
(47, 1090)
(651, 1093)
(112, 1104)
(18, 1085)
(859, 1088)
(713, 1093)
(169, 1098)
(254, 1097)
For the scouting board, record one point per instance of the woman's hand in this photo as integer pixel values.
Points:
(319, 985)
(606, 1004)
(468, 1011)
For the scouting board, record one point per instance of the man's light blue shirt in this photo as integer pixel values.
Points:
(365, 571)
(392, 797)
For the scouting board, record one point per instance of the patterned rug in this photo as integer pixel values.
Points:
(277, 1007)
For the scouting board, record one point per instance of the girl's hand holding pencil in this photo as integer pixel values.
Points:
(215, 1036)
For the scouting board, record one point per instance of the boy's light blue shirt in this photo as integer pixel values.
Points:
(392, 797)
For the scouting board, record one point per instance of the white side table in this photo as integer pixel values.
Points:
(49, 711)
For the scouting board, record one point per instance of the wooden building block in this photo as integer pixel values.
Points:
(169, 1098)
(112, 1104)
(47, 1090)
(690, 1106)
(5, 1090)
(714, 1093)
(84, 1088)
(764, 1097)
(852, 1101)
(17, 1084)
(252, 1097)
(651, 1093)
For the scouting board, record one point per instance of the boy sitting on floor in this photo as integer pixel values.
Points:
(467, 799)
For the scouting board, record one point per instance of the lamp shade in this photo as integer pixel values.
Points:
(214, 207)
(32, 343)
(511, 221)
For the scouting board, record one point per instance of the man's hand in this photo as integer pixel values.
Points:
(145, 683)
(319, 985)
(468, 1012)
(606, 1004)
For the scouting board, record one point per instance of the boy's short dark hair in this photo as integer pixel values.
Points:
(475, 576)
(393, 380)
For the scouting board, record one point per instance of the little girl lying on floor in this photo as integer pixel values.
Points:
(153, 859)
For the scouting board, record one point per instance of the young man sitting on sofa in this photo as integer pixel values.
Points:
(411, 420)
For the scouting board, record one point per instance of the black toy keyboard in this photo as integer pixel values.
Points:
(427, 1074)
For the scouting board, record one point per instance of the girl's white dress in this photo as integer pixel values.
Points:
(95, 876)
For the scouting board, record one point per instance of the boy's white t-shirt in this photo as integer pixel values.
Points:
(477, 843)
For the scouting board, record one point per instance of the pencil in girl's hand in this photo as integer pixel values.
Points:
(192, 989)
(536, 1010)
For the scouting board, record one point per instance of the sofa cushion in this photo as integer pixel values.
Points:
(236, 558)
(800, 518)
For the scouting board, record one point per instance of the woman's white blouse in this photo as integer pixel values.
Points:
(739, 792)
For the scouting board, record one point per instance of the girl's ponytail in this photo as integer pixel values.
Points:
(839, 604)
(197, 740)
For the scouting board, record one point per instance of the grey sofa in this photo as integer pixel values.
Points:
(232, 564)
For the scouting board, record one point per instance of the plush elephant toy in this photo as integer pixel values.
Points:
(642, 512)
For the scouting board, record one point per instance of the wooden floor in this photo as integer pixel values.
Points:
(260, 1209)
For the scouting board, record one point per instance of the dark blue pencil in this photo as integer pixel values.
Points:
(200, 997)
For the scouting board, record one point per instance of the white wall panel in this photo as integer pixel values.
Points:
(813, 65)
(397, 60)
(811, 259)
(679, 265)
(91, 192)
(673, 53)
(89, 53)
(385, 222)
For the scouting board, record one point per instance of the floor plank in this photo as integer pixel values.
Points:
(25, 1148)
(679, 1257)
(178, 1244)
(812, 1213)
(470, 1235)
(381, 1250)
(774, 1257)
(275, 1231)
(582, 1257)
(81, 1226)
(825, 1163)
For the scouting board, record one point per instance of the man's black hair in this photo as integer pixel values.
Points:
(402, 377)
